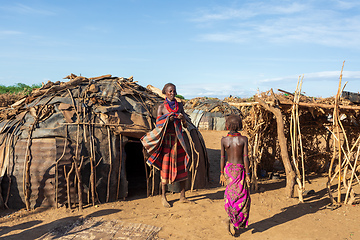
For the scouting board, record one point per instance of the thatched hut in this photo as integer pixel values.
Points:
(209, 113)
(77, 143)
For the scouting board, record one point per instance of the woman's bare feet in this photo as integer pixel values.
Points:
(164, 202)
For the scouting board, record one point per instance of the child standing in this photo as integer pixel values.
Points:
(235, 175)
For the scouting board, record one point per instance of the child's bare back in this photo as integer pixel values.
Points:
(236, 148)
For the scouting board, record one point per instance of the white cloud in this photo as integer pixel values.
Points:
(285, 22)
(223, 14)
(235, 37)
(25, 9)
(5, 33)
(247, 11)
(316, 76)
(219, 90)
(347, 4)
(323, 84)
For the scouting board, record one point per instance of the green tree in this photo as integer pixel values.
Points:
(18, 88)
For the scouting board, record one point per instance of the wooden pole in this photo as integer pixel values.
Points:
(92, 159)
(67, 178)
(57, 172)
(110, 167)
(301, 104)
(26, 172)
(79, 182)
(336, 122)
(290, 175)
(295, 135)
(146, 172)
(328, 184)
(120, 161)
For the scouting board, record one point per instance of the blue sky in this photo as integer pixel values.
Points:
(205, 47)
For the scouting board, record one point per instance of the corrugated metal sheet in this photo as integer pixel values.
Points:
(43, 154)
(205, 122)
(195, 116)
(219, 123)
(209, 114)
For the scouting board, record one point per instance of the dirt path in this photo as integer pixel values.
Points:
(272, 216)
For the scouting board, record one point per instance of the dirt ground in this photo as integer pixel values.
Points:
(272, 216)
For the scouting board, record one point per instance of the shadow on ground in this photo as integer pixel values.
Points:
(59, 227)
(312, 204)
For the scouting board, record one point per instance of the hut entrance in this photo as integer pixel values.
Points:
(135, 168)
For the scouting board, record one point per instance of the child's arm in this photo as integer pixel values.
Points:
(246, 162)
(222, 164)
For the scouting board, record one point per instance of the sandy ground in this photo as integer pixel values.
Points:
(272, 216)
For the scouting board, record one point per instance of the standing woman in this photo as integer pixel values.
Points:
(166, 144)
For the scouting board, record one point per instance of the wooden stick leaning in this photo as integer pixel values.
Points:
(26, 171)
(146, 172)
(337, 129)
(76, 159)
(92, 159)
(120, 161)
(300, 138)
(295, 134)
(57, 173)
(67, 178)
(347, 158)
(110, 167)
(79, 182)
(11, 144)
(352, 176)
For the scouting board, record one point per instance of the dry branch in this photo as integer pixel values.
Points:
(290, 175)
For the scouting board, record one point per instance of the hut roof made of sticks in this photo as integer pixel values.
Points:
(317, 106)
(105, 94)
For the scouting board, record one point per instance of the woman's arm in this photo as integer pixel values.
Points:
(160, 110)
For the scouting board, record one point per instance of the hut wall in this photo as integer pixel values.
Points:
(43, 155)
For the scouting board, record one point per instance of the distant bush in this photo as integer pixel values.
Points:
(18, 88)
(250, 99)
(180, 96)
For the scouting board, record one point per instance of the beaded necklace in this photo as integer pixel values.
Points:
(171, 106)
(233, 134)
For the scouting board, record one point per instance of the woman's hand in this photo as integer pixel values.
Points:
(181, 117)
